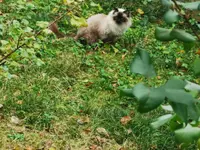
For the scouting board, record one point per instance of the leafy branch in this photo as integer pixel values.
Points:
(183, 106)
(2, 61)
(186, 18)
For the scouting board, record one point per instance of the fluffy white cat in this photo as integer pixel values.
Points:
(105, 27)
(102, 27)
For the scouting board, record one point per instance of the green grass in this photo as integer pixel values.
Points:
(79, 82)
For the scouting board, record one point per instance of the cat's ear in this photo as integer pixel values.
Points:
(115, 10)
(128, 13)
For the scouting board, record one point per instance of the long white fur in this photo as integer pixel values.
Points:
(105, 25)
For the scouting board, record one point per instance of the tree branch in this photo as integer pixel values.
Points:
(186, 18)
(2, 61)
(5, 57)
(38, 33)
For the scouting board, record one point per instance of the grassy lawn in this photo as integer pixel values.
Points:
(73, 101)
(65, 103)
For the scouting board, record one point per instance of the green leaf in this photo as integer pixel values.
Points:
(68, 2)
(194, 93)
(141, 92)
(182, 102)
(4, 42)
(191, 5)
(28, 30)
(142, 64)
(188, 46)
(174, 83)
(187, 134)
(78, 22)
(155, 99)
(167, 107)
(179, 96)
(193, 112)
(182, 35)
(196, 66)
(115, 49)
(30, 5)
(190, 86)
(161, 121)
(96, 5)
(167, 3)
(42, 24)
(25, 22)
(36, 46)
(175, 123)
(163, 34)
(39, 62)
(47, 31)
(1, 26)
(148, 99)
(180, 110)
(16, 23)
(93, 4)
(171, 16)
(127, 92)
(24, 54)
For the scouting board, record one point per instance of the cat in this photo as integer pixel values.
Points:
(106, 28)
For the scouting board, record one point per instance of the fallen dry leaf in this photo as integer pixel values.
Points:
(140, 11)
(1, 1)
(122, 148)
(48, 144)
(198, 52)
(20, 102)
(153, 147)
(87, 131)
(1, 106)
(181, 52)
(103, 52)
(114, 84)
(15, 120)
(89, 84)
(89, 53)
(100, 140)
(102, 131)
(93, 147)
(132, 113)
(83, 120)
(68, 147)
(1, 116)
(5, 97)
(178, 62)
(17, 147)
(123, 56)
(126, 119)
(15, 76)
(184, 70)
(158, 77)
(129, 131)
(17, 93)
(18, 129)
(29, 148)
(42, 134)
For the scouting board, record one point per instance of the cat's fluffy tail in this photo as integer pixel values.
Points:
(54, 28)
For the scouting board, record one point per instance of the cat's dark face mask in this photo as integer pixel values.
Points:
(121, 17)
